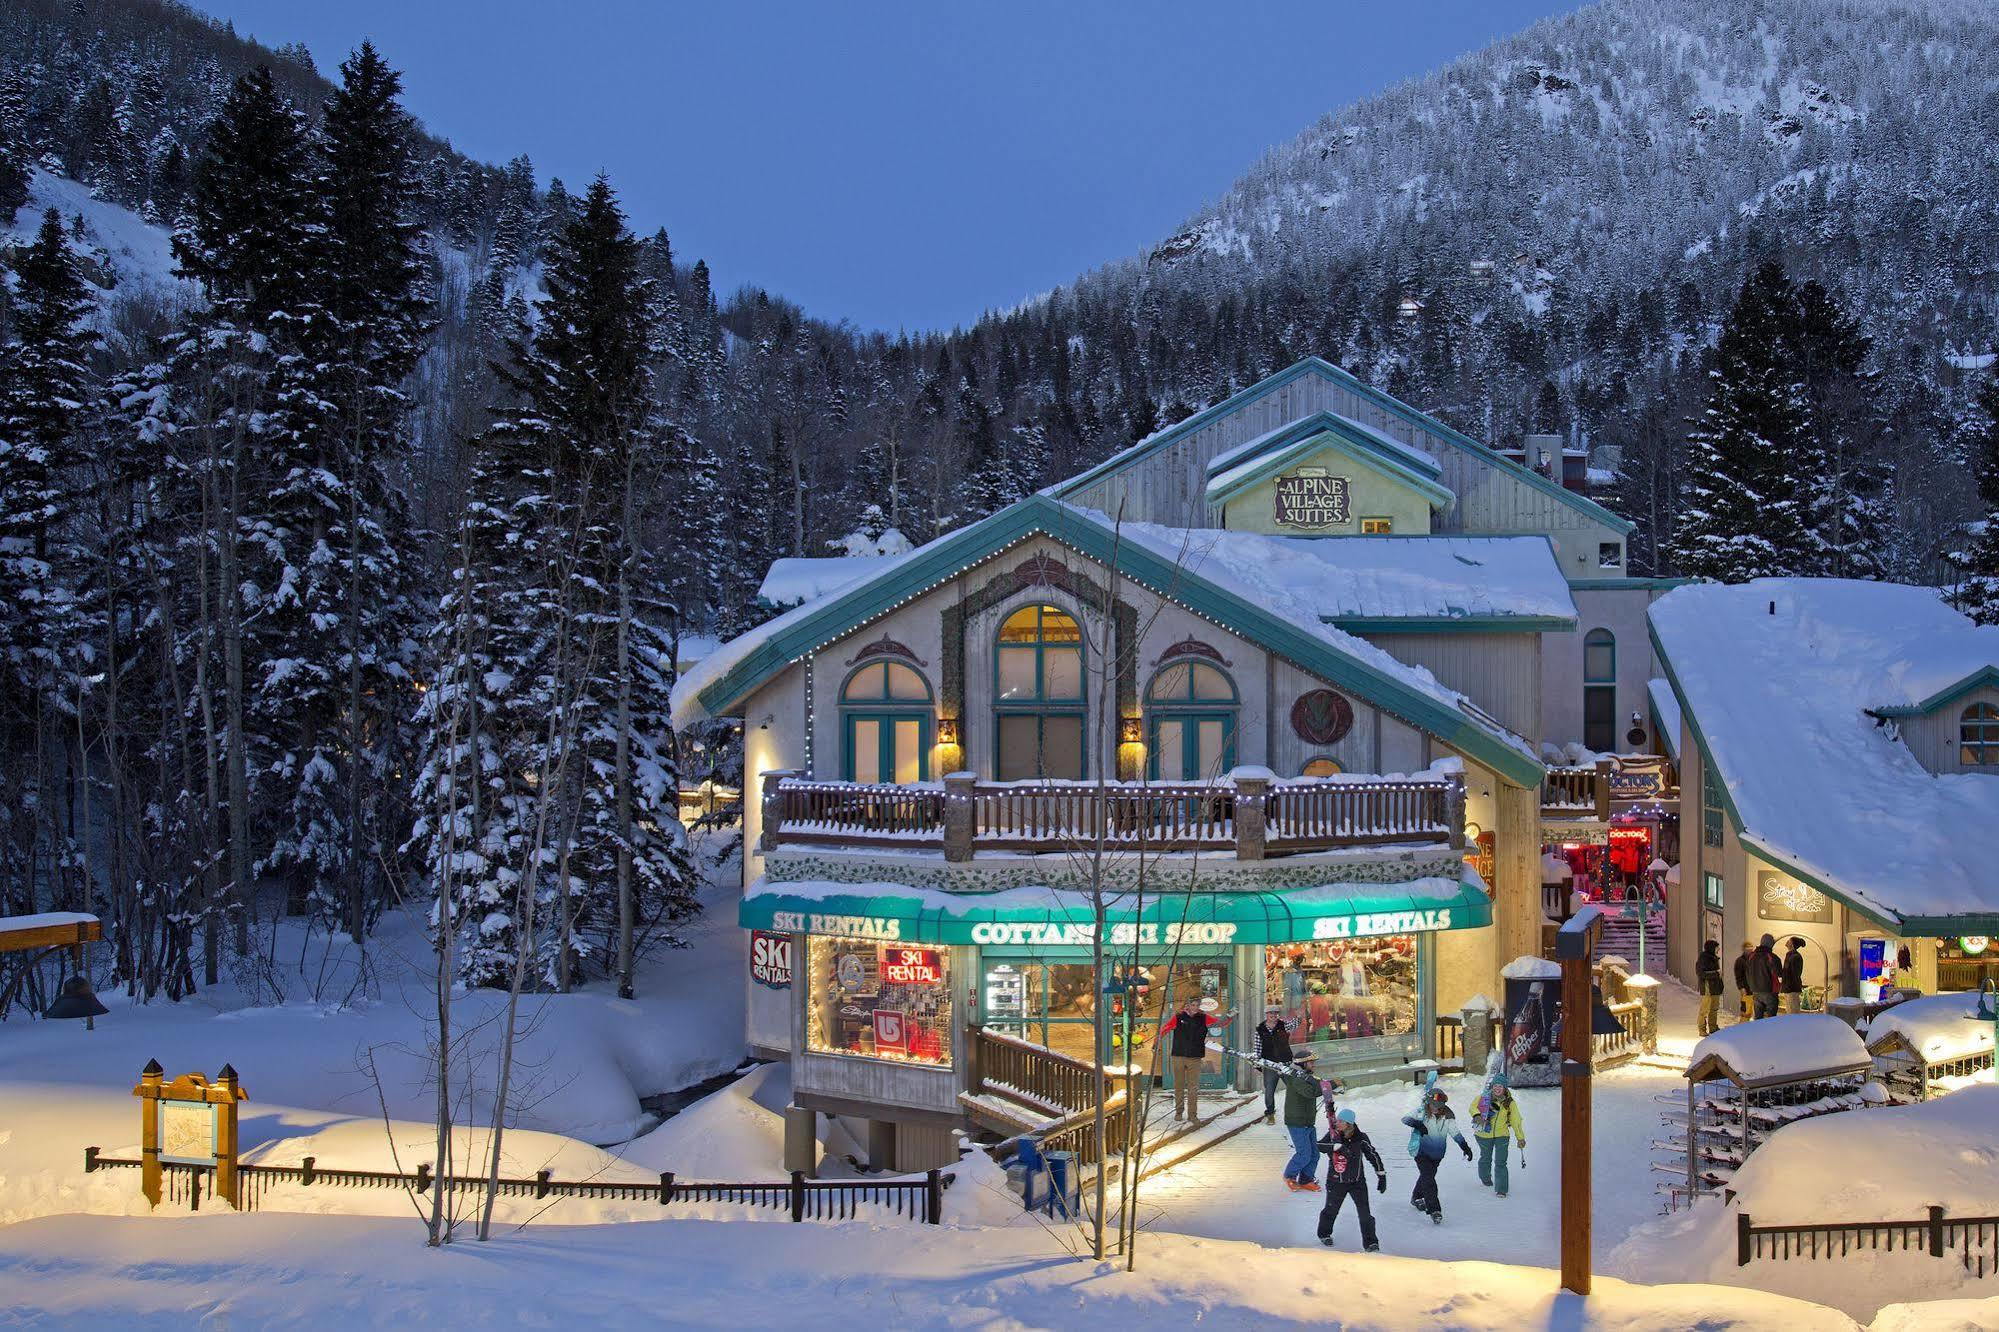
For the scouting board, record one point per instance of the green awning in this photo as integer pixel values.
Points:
(1060, 917)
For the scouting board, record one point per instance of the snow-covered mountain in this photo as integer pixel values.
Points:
(1641, 143)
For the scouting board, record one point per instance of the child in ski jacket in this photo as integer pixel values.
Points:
(1435, 1128)
(1493, 1115)
(1349, 1152)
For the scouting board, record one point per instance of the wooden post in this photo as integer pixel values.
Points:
(1601, 788)
(1454, 809)
(797, 1195)
(228, 1179)
(933, 1197)
(1573, 946)
(148, 1091)
(959, 815)
(1936, 1231)
(1252, 805)
(1743, 1241)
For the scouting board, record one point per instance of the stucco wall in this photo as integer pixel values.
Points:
(1622, 611)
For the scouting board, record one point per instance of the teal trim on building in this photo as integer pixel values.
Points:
(1451, 624)
(1484, 741)
(1048, 917)
(1985, 677)
(1351, 445)
(1312, 365)
(1626, 584)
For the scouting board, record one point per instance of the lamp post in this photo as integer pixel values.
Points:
(1988, 1011)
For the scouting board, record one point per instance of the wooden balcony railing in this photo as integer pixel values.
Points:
(1577, 793)
(1250, 815)
(1032, 1073)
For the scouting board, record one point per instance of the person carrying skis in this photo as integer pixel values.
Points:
(1493, 1115)
(1348, 1150)
(1273, 1046)
(1302, 1093)
(1434, 1129)
(1707, 970)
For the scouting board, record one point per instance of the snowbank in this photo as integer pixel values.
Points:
(1531, 968)
(1936, 1026)
(1873, 1165)
(1798, 1043)
(582, 1062)
(334, 1271)
(807, 578)
(1780, 675)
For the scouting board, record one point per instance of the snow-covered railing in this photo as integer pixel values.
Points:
(1576, 793)
(919, 1198)
(1249, 812)
(1973, 1240)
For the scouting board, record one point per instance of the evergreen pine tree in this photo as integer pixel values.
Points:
(341, 699)
(1979, 595)
(1741, 512)
(43, 384)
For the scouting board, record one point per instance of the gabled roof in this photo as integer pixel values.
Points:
(1984, 677)
(1775, 678)
(1181, 566)
(1262, 458)
(1314, 366)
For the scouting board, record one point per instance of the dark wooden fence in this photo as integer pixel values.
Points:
(806, 1199)
(1973, 1239)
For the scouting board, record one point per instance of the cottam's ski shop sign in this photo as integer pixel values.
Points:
(1312, 497)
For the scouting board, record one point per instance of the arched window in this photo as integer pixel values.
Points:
(885, 720)
(1038, 695)
(1320, 767)
(1190, 718)
(1978, 735)
(1600, 691)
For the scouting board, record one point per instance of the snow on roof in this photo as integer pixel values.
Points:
(1444, 577)
(1222, 471)
(1891, 1163)
(1936, 1026)
(1666, 709)
(808, 578)
(1780, 701)
(1253, 569)
(1290, 578)
(1793, 1043)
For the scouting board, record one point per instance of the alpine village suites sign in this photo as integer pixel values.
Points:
(1311, 497)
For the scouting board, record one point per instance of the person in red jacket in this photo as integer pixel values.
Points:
(1188, 1030)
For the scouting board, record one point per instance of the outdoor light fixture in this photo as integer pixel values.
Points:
(947, 730)
(77, 1000)
(1131, 731)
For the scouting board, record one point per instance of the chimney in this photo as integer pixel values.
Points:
(1542, 452)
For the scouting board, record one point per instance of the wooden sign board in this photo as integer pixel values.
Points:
(187, 1132)
(188, 1121)
(1312, 497)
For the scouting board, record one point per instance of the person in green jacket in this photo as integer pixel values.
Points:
(1303, 1094)
(1494, 1115)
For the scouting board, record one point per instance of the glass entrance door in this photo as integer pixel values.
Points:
(1192, 747)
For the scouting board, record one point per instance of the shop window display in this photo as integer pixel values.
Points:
(1346, 991)
(880, 1000)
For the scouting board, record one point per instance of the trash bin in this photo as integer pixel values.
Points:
(1064, 1184)
(1027, 1165)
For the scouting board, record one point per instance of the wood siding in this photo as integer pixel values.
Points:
(1499, 672)
(1934, 739)
(1170, 486)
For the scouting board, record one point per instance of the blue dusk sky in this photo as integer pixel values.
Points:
(899, 166)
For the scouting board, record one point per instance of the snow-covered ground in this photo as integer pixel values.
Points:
(583, 1060)
(1223, 1244)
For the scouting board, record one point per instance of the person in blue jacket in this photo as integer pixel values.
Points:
(1433, 1129)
